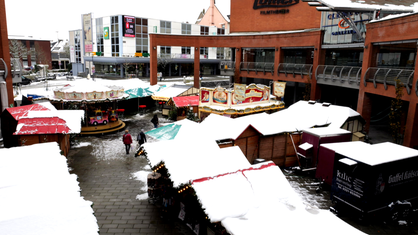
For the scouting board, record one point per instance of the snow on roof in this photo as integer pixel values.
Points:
(50, 125)
(299, 116)
(356, 5)
(22, 111)
(203, 158)
(33, 202)
(254, 200)
(72, 118)
(172, 91)
(326, 131)
(375, 154)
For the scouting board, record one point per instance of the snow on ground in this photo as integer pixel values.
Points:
(80, 145)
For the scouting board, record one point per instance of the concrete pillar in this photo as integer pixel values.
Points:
(319, 59)
(238, 60)
(411, 127)
(364, 107)
(278, 58)
(153, 61)
(196, 81)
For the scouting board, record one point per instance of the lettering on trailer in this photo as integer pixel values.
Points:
(273, 3)
(403, 176)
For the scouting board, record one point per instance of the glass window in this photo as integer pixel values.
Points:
(186, 29)
(204, 30)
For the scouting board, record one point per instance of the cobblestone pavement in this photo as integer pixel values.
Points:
(105, 175)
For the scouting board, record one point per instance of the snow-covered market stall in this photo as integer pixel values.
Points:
(215, 190)
(170, 91)
(40, 196)
(40, 123)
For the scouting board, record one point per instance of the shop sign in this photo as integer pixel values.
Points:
(129, 26)
(258, 4)
(106, 32)
(279, 88)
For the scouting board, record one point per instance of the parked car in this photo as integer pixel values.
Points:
(25, 81)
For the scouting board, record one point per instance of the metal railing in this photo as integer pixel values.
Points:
(349, 74)
(301, 69)
(227, 65)
(257, 67)
(388, 76)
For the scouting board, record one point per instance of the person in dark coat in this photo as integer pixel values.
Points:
(141, 138)
(127, 141)
(154, 121)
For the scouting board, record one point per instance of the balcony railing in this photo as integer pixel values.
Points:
(227, 65)
(347, 74)
(301, 69)
(257, 67)
(388, 76)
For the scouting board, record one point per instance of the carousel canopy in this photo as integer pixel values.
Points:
(33, 202)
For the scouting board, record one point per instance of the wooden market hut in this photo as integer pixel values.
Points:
(40, 123)
(183, 103)
(163, 96)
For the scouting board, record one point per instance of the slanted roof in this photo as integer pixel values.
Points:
(44, 125)
(173, 91)
(183, 101)
(22, 111)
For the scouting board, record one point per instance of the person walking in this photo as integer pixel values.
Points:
(127, 141)
(154, 121)
(141, 138)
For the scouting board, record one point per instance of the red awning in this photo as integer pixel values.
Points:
(47, 125)
(183, 101)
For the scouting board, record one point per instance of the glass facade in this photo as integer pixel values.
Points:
(99, 35)
(204, 30)
(337, 31)
(114, 32)
(141, 29)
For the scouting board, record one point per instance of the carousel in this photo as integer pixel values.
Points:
(99, 103)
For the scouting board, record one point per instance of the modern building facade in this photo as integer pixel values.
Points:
(347, 55)
(119, 46)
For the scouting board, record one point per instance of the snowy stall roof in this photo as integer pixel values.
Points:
(255, 205)
(72, 118)
(372, 155)
(171, 91)
(22, 111)
(299, 116)
(33, 202)
(326, 131)
(195, 158)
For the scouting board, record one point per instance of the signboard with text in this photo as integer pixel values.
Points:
(129, 26)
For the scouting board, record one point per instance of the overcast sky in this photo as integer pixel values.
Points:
(49, 19)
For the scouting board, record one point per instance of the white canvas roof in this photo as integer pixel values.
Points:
(372, 154)
(33, 202)
(172, 91)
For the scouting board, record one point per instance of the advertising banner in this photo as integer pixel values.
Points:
(279, 88)
(243, 94)
(204, 96)
(220, 96)
(129, 26)
(88, 33)
(72, 54)
(106, 32)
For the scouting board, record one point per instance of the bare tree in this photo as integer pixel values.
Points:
(18, 49)
(126, 65)
(162, 63)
